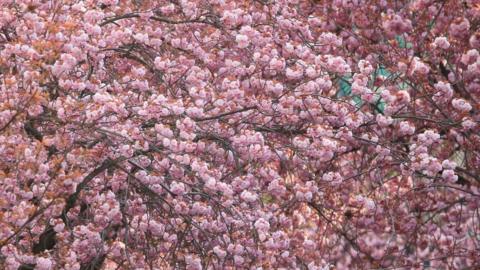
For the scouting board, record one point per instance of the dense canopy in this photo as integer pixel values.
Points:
(239, 134)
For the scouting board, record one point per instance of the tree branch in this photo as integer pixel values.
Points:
(200, 119)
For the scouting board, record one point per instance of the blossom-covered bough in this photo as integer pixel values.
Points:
(252, 134)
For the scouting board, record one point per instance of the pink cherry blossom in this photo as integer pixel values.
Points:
(461, 105)
(242, 41)
(43, 264)
(441, 42)
(228, 134)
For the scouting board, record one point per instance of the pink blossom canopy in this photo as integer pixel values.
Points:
(250, 134)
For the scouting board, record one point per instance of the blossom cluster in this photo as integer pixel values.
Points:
(220, 134)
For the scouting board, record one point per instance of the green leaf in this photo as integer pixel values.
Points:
(358, 101)
(345, 87)
(401, 42)
(380, 106)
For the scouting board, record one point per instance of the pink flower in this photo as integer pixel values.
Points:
(309, 244)
(447, 164)
(262, 225)
(277, 89)
(12, 263)
(398, 25)
(248, 196)
(433, 167)
(276, 189)
(449, 175)
(470, 57)
(369, 204)
(238, 260)
(168, 9)
(418, 67)
(406, 128)
(461, 105)
(193, 263)
(338, 64)
(403, 97)
(330, 39)
(219, 252)
(68, 60)
(211, 183)
(383, 121)
(441, 42)
(277, 64)
(445, 91)
(242, 41)
(164, 131)
(293, 74)
(459, 28)
(365, 67)
(468, 123)
(177, 188)
(474, 40)
(428, 137)
(141, 37)
(59, 227)
(43, 264)
(311, 72)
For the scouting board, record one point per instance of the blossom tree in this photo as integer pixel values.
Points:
(252, 134)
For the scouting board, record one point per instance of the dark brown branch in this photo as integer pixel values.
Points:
(71, 200)
(7, 36)
(46, 241)
(155, 18)
(47, 238)
(224, 142)
(10, 121)
(461, 91)
(31, 130)
(117, 18)
(224, 114)
(340, 231)
(282, 130)
(467, 173)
